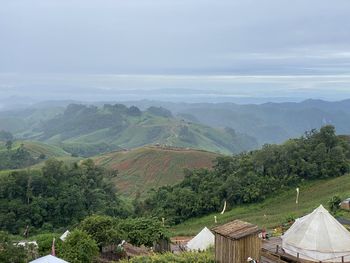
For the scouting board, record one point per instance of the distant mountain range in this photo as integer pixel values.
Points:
(223, 127)
(89, 130)
(268, 122)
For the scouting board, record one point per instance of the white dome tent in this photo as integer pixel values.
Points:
(318, 237)
(48, 259)
(202, 241)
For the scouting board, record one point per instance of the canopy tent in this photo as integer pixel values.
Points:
(48, 259)
(318, 237)
(64, 235)
(202, 241)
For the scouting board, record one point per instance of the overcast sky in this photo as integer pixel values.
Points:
(97, 49)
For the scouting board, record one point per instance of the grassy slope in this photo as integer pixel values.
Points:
(37, 148)
(148, 129)
(143, 168)
(277, 208)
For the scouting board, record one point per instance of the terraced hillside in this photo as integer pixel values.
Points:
(143, 168)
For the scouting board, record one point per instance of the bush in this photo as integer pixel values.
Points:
(188, 257)
(334, 203)
(79, 247)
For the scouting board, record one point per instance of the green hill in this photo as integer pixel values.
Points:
(275, 210)
(36, 148)
(143, 168)
(89, 130)
(23, 154)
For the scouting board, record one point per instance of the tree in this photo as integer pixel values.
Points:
(79, 247)
(9, 253)
(103, 229)
(8, 145)
(143, 231)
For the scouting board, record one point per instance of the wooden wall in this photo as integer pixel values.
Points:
(237, 251)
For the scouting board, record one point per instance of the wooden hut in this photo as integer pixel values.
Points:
(236, 241)
(345, 204)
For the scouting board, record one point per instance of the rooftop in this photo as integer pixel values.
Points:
(236, 229)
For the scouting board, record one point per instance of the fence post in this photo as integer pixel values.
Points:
(277, 247)
(342, 259)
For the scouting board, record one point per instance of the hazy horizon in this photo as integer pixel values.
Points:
(175, 50)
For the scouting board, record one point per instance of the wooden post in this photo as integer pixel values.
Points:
(277, 247)
(297, 257)
(342, 259)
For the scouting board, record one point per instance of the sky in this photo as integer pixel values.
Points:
(194, 50)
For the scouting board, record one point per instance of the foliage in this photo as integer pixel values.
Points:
(87, 130)
(15, 158)
(45, 243)
(143, 231)
(103, 229)
(9, 253)
(277, 208)
(334, 203)
(79, 247)
(251, 177)
(187, 257)
(58, 195)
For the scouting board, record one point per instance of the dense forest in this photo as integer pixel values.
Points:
(57, 196)
(251, 177)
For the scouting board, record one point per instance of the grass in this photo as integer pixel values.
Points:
(275, 210)
(36, 148)
(146, 167)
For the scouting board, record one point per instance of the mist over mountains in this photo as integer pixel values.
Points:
(254, 124)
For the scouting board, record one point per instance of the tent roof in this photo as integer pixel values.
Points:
(236, 229)
(202, 240)
(64, 235)
(318, 236)
(48, 259)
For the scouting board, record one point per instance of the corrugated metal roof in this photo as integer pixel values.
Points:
(236, 229)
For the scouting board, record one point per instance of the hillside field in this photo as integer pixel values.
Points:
(146, 167)
(275, 210)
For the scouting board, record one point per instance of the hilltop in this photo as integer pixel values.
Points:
(267, 122)
(90, 130)
(143, 168)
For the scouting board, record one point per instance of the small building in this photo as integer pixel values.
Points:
(345, 204)
(236, 241)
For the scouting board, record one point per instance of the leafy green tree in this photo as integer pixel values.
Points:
(79, 247)
(9, 253)
(143, 231)
(251, 177)
(103, 229)
(58, 196)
